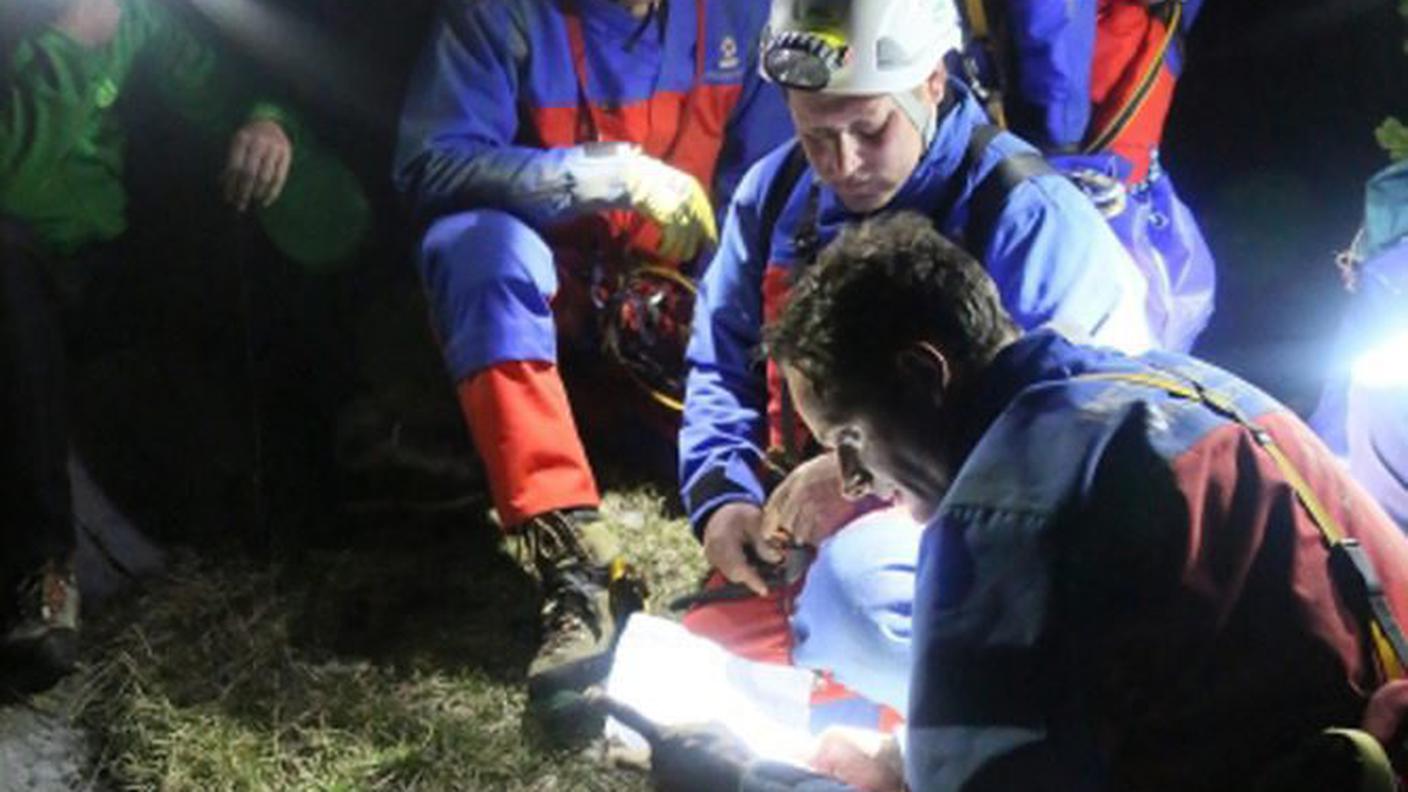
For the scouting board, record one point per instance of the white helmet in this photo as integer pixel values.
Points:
(856, 46)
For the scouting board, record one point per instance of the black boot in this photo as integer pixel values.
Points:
(39, 643)
(588, 591)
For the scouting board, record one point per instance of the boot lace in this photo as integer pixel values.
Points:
(570, 581)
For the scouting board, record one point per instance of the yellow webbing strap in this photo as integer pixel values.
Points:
(977, 19)
(1392, 662)
(980, 31)
(1385, 637)
(1136, 98)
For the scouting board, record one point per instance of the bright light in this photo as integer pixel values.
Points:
(1384, 366)
(675, 678)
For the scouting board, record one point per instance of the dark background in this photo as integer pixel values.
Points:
(1270, 141)
(225, 397)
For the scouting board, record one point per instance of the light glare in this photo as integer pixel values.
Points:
(1384, 366)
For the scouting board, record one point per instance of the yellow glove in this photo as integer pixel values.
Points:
(676, 202)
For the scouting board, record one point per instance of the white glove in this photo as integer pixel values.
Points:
(621, 176)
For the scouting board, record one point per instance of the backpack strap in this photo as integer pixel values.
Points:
(1352, 572)
(783, 183)
(779, 190)
(990, 196)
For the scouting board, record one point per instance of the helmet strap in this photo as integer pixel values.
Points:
(923, 115)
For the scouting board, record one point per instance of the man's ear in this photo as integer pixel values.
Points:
(936, 83)
(924, 369)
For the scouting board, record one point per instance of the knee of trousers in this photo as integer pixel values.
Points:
(853, 615)
(489, 279)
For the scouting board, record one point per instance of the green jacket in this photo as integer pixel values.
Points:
(62, 144)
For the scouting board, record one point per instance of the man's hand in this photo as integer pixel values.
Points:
(866, 760)
(1386, 718)
(700, 758)
(808, 505)
(260, 155)
(676, 202)
(732, 528)
(703, 758)
(91, 23)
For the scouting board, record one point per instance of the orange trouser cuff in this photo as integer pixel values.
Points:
(522, 425)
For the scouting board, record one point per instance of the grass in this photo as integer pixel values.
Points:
(392, 661)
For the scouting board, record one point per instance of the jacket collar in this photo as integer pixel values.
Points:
(1040, 356)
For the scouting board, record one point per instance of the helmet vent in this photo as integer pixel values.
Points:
(889, 54)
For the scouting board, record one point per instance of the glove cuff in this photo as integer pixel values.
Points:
(598, 175)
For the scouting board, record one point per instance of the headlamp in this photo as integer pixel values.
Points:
(804, 61)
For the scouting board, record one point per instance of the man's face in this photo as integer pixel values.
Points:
(863, 147)
(893, 454)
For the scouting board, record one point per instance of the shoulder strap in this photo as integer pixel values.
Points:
(774, 201)
(1351, 570)
(990, 195)
(779, 190)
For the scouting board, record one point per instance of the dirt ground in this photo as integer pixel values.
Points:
(42, 750)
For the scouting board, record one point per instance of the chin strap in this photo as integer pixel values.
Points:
(923, 115)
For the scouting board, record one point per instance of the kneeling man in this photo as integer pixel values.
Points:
(1135, 572)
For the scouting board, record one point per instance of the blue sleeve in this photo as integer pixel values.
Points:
(1053, 44)
(1056, 261)
(978, 695)
(455, 148)
(722, 436)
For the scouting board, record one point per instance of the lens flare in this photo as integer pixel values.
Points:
(1385, 365)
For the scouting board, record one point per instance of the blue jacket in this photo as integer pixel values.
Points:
(1120, 590)
(1052, 255)
(496, 106)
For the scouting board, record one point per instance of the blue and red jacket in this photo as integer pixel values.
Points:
(506, 88)
(1052, 255)
(1121, 591)
(1077, 64)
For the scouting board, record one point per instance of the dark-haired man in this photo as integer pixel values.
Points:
(1125, 577)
